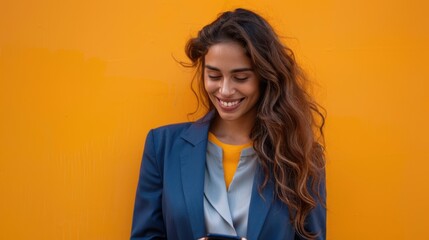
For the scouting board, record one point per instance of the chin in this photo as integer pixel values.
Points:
(228, 116)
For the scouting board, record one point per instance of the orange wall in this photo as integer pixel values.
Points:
(81, 83)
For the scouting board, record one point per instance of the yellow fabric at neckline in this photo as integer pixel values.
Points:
(230, 156)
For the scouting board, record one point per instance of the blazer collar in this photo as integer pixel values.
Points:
(260, 204)
(198, 130)
(193, 162)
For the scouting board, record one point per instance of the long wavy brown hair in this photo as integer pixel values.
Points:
(288, 133)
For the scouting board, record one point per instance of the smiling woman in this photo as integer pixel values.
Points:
(253, 166)
(233, 89)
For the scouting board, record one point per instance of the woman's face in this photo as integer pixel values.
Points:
(230, 82)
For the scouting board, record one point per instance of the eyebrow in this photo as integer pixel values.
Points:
(233, 71)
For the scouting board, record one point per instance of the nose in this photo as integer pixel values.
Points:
(226, 87)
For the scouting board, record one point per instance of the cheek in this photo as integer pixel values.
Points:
(206, 84)
(252, 90)
(210, 86)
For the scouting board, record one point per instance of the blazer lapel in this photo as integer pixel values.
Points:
(259, 205)
(193, 160)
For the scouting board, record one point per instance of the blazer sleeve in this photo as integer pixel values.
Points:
(148, 220)
(316, 219)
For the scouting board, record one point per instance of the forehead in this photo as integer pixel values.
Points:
(227, 56)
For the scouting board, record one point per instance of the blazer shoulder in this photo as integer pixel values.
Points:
(171, 130)
(173, 127)
(191, 132)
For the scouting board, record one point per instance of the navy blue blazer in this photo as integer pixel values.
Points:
(169, 198)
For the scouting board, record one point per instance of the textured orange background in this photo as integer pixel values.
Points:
(81, 83)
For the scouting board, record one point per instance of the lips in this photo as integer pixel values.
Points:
(229, 104)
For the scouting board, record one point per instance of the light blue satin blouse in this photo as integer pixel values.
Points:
(226, 211)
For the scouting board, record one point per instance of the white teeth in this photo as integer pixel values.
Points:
(229, 104)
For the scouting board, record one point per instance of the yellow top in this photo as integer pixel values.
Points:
(230, 157)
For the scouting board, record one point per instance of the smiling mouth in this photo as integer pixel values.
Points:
(229, 104)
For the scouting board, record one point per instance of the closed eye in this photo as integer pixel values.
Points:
(241, 78)
(214, 77)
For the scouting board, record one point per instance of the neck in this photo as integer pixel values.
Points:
(235, 132)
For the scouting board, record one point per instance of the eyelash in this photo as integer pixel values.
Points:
(236, 78)
(214, 77)
(241, 79)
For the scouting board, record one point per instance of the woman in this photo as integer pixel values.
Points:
(253, 166)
